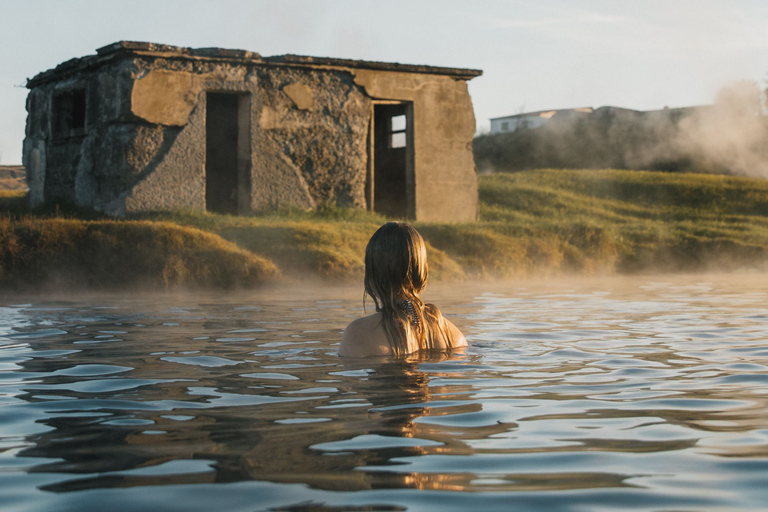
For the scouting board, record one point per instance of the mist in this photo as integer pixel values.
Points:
(730, 136)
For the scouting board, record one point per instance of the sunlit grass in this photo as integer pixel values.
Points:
(535, 223)
(328, 243)
(612, 220)
(74, 254)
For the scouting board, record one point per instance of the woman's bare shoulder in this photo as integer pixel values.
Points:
(458, 336)
(364, 337)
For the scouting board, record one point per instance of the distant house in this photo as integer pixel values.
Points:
(143, 126)
(530, 120)
(533, 119)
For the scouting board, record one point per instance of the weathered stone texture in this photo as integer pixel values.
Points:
(326, 144)
(177, 177)
(444, 124)
(302, 96)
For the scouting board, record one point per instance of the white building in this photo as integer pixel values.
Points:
(530, 120)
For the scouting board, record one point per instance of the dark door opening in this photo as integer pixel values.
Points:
(390, 181)
(227, 153)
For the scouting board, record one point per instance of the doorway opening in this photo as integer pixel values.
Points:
(390, 183)
(227, 153)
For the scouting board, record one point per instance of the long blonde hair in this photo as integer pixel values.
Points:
(395, 273)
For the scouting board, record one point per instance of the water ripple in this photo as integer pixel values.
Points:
(632, 394)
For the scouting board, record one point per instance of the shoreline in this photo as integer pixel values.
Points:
(539, 224)
(335, 290)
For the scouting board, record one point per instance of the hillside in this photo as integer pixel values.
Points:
(632, 221)
(537, 223)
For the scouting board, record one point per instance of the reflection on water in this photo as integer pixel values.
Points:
(638, 393)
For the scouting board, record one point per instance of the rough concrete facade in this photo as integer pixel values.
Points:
(141, 126)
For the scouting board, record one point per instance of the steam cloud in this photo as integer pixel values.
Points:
(730, 136)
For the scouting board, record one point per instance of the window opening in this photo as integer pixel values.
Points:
(69, 113)
(397, 130)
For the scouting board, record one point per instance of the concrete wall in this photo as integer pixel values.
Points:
(311, 132)
(143, 146)
(96, 165)
(443, 128)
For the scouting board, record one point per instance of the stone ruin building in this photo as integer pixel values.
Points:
(143, 126)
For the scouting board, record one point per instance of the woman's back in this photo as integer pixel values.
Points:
(366, 337)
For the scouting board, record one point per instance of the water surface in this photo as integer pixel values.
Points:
(643, 393)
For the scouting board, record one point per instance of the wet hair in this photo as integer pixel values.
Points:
(395, 273)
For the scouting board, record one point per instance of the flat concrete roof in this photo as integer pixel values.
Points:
(121, 49)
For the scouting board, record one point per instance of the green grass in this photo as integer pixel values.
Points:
(534, 223)
(628, 221)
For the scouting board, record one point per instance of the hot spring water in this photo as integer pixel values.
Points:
(643, 393)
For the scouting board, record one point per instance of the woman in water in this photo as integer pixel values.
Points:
(395, 274)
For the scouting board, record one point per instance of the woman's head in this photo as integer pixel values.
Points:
(395, 264)
(395, 274)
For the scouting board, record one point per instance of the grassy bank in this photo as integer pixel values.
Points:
(632, 221)
(42, 252)
(328, 243)
(536, 223)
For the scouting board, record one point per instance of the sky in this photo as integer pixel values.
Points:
(535, 54)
